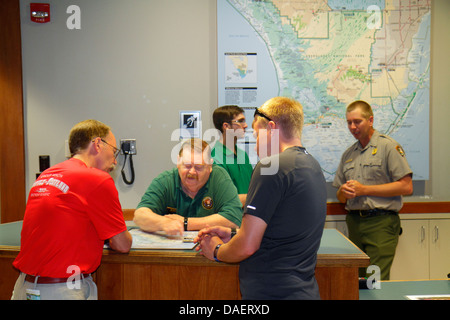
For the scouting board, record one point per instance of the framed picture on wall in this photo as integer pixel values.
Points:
(190, 124)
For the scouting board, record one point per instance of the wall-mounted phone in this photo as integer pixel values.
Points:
(128, 148)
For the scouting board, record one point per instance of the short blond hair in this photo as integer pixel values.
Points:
(366, 109)
(287, 113)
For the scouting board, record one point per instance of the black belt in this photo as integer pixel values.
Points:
(372, 212)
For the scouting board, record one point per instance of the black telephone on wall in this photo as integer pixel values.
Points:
(128, 148)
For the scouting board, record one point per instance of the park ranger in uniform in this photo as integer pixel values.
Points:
(372, 177)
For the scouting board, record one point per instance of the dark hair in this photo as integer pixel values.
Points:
(225, 114)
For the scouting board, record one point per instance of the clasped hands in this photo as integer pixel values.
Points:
(352, 189)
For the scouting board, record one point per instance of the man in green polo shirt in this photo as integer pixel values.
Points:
(230, 121)
(191, 196)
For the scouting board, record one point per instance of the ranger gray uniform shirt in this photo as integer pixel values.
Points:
(381, 161)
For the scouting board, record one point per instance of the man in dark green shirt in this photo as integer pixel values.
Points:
(191, 196)
(230, 121)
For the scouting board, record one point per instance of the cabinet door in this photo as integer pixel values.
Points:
(439, 248)
(411, 260)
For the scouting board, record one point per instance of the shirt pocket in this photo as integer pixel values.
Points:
(349, 171)
(372, 169)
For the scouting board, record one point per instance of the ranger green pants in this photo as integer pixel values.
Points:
(378, 237)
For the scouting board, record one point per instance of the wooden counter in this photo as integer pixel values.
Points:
(187, 275)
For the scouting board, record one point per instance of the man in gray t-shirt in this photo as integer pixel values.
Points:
(293, 204)
(284, 214)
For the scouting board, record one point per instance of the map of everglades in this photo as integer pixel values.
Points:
(327, 54)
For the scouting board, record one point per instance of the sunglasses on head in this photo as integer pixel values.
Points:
(259, 113)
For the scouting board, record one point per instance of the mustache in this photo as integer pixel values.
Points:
(192, 176)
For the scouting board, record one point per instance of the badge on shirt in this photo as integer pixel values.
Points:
(207, 203)
(374, 151)
(170, 210)
(400, 150)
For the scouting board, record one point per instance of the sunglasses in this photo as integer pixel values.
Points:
(259, 113)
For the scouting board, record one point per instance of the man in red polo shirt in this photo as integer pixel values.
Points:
(73, 207)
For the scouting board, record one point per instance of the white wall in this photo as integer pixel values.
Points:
(135, 64)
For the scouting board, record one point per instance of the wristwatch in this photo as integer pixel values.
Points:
(215, 252)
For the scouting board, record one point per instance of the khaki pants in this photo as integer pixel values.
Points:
(85, 289)
(377, 237)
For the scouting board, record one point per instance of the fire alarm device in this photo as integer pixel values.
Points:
(40, 12)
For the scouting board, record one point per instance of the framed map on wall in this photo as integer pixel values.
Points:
(326, 54)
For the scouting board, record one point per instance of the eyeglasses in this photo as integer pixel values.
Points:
(259, 113)
(240, 121)
(116, 151)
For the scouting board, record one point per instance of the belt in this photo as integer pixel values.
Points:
(47, 280)
(372, 212)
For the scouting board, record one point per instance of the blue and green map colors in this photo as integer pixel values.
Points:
(327, 54)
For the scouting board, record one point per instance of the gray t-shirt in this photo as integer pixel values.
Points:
(293, 204)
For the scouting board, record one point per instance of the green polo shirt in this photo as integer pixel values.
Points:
(237, 165)
(218, 195)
